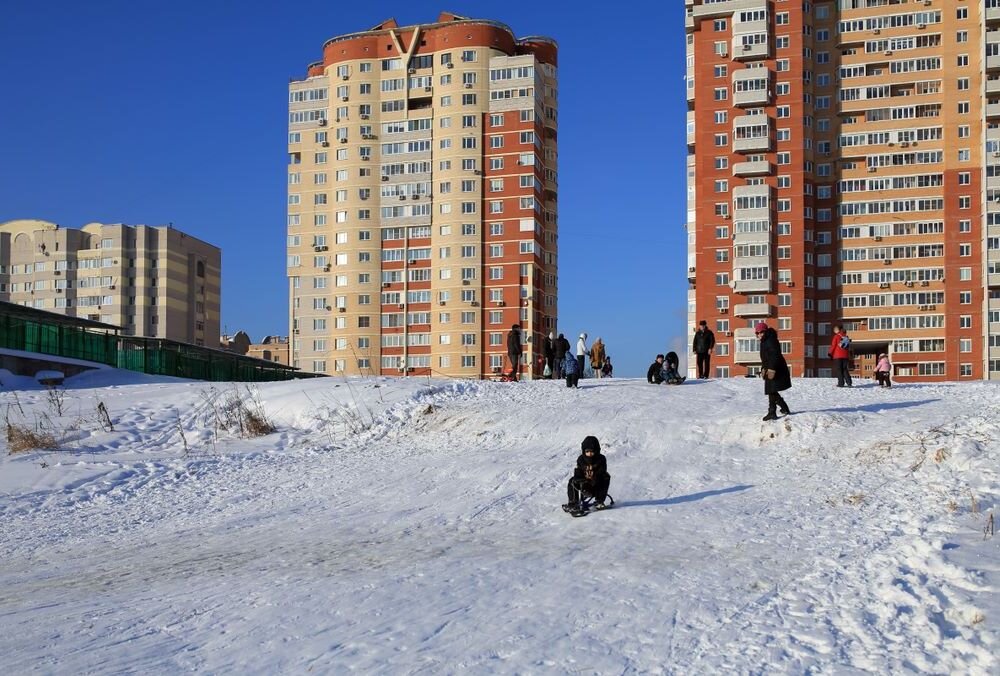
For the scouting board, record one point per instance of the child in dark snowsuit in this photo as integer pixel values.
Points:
(671, 374)
(591, 478)
(571, 368)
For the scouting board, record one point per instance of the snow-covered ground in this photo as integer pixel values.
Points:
(398, 526)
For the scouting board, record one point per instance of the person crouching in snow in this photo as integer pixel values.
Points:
(607, 370)
(773, 369)
(882, 370)
(591, 478)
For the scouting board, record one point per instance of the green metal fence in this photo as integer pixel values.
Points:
(147, 355)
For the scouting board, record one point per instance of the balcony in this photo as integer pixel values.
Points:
(753, 202)
(750, 51)
(752, 87)
(993, 109)
(745, 338)
(993, 86)
(755, 168)
(992, 14)
(993, 280)
(753, 237)
(754, 310)
(753, 285)
(752, 133)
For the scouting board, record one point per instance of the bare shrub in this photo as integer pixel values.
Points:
(56, 397)
(21, 439)
(854, 499)
(243, 414)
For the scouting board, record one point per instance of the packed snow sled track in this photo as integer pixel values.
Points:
(403, 526)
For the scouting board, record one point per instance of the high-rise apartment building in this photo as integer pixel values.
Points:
(844, 167)
(152, 281)
(422, 200)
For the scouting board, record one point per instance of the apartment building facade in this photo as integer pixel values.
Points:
(843, 168)
(422, 216)
(152, 281)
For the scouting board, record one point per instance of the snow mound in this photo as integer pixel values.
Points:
(413, 525)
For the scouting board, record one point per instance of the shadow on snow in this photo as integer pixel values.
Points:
(693, 497)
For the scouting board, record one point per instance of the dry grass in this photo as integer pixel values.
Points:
(256, 424)
(854, 499)
(978, 618)
(22, 439)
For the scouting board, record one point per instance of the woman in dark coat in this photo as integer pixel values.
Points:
(774, 371)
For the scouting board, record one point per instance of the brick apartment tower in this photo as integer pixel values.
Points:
(422, 200)
(844, 165)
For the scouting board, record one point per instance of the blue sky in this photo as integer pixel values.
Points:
(153, 113)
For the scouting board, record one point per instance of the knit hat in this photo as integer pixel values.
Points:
(591, 443)
(760, 328)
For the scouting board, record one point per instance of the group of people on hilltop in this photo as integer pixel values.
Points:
(558, 358)
(840, 353)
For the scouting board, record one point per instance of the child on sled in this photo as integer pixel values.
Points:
(590, 479)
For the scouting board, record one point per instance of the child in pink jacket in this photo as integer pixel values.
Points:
(882, 370)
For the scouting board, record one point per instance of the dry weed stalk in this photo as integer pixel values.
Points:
(104, 417)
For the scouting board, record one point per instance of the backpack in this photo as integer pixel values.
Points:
(845, 342)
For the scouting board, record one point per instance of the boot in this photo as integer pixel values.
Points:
(770, 415)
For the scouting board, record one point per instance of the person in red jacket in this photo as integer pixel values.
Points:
(840, 353)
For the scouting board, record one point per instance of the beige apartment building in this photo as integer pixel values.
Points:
(152, 281)
(270, 348)
(844, 167)
(422, 217)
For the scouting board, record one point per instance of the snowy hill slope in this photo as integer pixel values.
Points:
(411, 525)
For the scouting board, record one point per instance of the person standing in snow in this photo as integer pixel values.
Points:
(773, 369)
(562, 348)
(597, 355)
(514, 351)
(883, 371)
(840, 353)
(590, 478)
(549, 352)
(581, 352)
(702, 346)
(571, 367)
